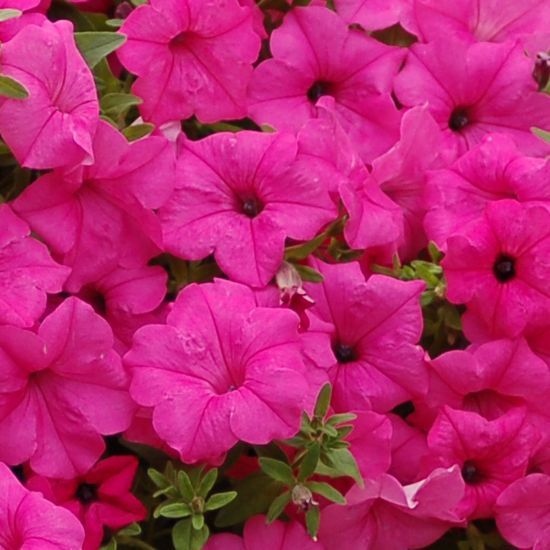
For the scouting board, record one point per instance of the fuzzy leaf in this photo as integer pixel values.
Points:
(7, 14)
(94, 46)
(278, 505)
(310, 461)
(313, 519)
(9, 87)
(328, 491)
(184, 537)
(219, 500)
(137, 131)
(277, 470)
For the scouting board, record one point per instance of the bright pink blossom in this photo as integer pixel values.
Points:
(498, 265)
(27, 272)
(368, 337)
(220, 371)
(490, 453)
(475, 89)
(239, 196)
(523, 512)
(258, 535)
(316, 54)
(95, 218)
(55, 125)
(66, 386)
(29, 522)
(370, 14)
(387, 515)
(101, 497)
(191, 57)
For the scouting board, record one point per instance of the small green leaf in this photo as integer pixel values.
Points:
(543, 134)
(138, 3)
(111, 545)
(184, 537)
(116, 104)
(137, 131)
(158, 479)
(308, 273)
(323, 401)
(219, 500)
(8, 14)
(277, 470)
(9, 87)
(173, 510)
(313, 518)
(328, 491)
(94, 46)
(341, 418)
(115, 23)
(197, 521)
(277, 506)
(343, 461)
(310, 461)
(207, 482)
(131, 530)
(184, 485)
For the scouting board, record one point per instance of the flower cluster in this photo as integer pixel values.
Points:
(274, 274)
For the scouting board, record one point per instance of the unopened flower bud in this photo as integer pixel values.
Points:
(303, 497)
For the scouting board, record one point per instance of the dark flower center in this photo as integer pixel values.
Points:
(251, 207)
(459, 119)
(404, 409)
(179, 40)
(504, 268)
(318, 89)
(344, 353)
(86, 493)
(470, 473)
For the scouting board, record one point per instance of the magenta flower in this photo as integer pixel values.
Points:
(522, 512)
(372, 327)
(27, 272)
(476, 89)
(28, 521)
(387, 515)
(191, 57)
(314, 55)
(101, 497)
(239, 196)
(479, 20)
(498, 266)
(66, 386)
(491, 454)
(258, 535)
(55, 125)
(370, 14)
(220, 371)
(106, 207)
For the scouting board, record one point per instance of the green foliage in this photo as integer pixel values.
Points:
(9, 87)
(94, 45)
(7, 14)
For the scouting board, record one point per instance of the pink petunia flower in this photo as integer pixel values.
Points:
(55, 125)
(315, 54)
(387, 515)
(100, 498)
(27, 272)
(478, 20)
(239, 196)
(95, 218)
(368, 337)
(66, 386)
(493, 170)
(476, 89)
(497, 265)
(220, 371)
(191, 57)
(490, 453)
(370, 14)
(522, 512)
(258, 535)
(28, 521)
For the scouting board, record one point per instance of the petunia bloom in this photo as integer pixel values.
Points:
(27, 272)
(101, 497)
(315, 54)
(29, 521)
(191, 58)
(55, 125)
(370, 14)
(476, 89)
(96, 218)
(66, 386)
(239, 196)
(221, 370)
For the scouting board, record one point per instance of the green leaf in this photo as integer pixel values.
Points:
(158, 479)
(9, 87)
(277, 506)
(313, 518)
(323, 401)
(172, 510)
(341, 418)
(308, 273)
(115, 23)
(207, 482)
(111, 545)
(7, 14)
(94, 46)
(138, 3)
(277, 470)
(137, 131)
(197, 521)
(343, 461)
(131, 530)
(310, 461)
(219, 500)
(328, 491)
(184, 537)
(116, 104)
(544, 135)
(184, 485)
